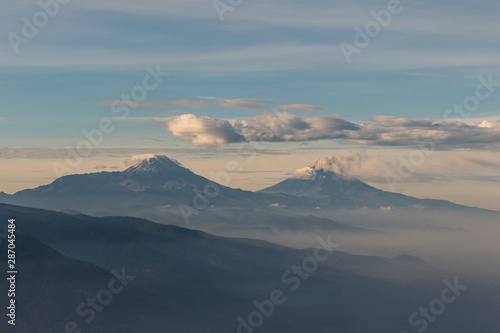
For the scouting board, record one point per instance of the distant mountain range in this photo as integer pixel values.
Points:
(189, 281)
(157, 181)
(161, 190)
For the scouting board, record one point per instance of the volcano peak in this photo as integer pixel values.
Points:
(152, 164)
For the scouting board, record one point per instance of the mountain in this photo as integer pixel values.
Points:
(154, 180)
(189, 281)
(50, 287)
(325, 188)
(321, 183)
(154, 174)
(158, 182)
(160, 189)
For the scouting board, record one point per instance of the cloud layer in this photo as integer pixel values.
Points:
(130, 104)
(239, 103)
(379, 131)
(243, 103)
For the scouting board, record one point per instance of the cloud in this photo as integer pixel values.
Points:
(250, 104)
(100, 167)
(204, 131)
(343, 165)
(462, 40)
(443, 134)
(351, 164)
(242, 103)
(188, 103)
(152, 139)
(389, 121)
(275, 127)
(381, 131)
(254, 104)
(151, 120)
(478, 162)
(300, 107)
(372, 166)
(319, 14)
(130, 103)
(257, 100)
(36, 153)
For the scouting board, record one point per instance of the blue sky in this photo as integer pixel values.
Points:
(426, 59)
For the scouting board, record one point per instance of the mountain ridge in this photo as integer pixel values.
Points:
(158, 181)
(187, 281)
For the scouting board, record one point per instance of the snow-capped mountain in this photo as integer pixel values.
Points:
(153, 165)
(327, 184)
(151, 173)
(311, 181)
(150, 181)
(153, 181)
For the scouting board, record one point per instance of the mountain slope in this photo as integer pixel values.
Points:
(153, 175)
(203, 282)
(326, 188)
(50, 287)
(321, 183)
(155, 180)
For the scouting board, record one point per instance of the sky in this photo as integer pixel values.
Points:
(269, 86)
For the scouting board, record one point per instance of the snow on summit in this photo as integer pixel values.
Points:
(152, 164)
(149, 158)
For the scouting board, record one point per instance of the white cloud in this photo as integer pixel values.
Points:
(204, 131)
(277, 127)
(381, 131)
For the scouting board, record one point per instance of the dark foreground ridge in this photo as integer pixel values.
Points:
(179, 280)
